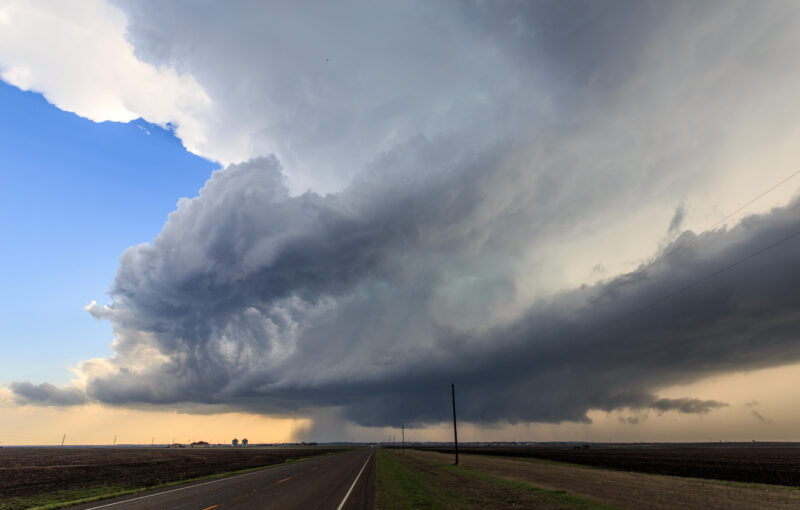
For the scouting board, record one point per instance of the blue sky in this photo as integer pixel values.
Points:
(75, 194)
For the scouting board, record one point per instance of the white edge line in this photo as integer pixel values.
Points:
(341, 505)
(183, 488)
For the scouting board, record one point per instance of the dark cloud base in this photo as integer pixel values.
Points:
(320, 319)
(46, 394)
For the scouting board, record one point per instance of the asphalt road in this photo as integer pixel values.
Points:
(344, 481)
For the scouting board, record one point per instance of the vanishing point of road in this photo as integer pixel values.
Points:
(345, 481)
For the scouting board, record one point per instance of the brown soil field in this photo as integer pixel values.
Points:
(770, 465)
(619, 489)
(30, 472)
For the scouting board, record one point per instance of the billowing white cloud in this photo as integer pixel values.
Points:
(99, 312)
(326, 87)
(76, 54)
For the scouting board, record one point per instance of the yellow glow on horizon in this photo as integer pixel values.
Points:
(98, 424)
(761, 407)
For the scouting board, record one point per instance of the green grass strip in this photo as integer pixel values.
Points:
(399, 486)
(48, 500)
(572, 500)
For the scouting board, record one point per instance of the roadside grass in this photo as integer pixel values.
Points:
(416, 481)
(572, 500)
(399, 486)
(65, 498)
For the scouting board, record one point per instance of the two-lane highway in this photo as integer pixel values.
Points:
(339, 482)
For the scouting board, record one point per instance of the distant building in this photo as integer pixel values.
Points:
(244, 442)
(199, 444)
(235, 442)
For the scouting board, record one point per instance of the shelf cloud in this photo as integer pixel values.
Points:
(263, 301)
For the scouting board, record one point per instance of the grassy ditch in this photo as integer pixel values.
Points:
(422, 480)
(399, 486)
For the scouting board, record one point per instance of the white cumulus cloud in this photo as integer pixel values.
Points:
(76, 54)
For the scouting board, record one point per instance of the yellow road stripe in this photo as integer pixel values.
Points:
(209, 508)
(281, 481)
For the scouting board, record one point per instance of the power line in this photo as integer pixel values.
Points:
(678, 291)
(663, 256)
(686, 287)
(699, 281)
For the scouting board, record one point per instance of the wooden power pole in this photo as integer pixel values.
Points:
(455, 427)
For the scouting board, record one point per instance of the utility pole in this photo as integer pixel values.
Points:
(115, 440)
(455, 428)
(404, 437)
(62, 440)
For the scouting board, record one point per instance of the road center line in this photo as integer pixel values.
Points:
(287, 478)
(212, 506)
(341, 505)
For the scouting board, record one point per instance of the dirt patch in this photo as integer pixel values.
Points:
(778, 465)
(631, 490)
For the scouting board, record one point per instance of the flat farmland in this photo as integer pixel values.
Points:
(40, 476)
(485, 481)
(779, 465)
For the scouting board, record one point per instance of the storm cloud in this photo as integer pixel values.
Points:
(253, 298)
(686, 405)
(472, 175)
(758, 416)
(46, 394)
